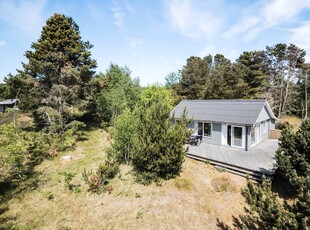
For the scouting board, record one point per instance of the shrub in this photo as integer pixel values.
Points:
(158, 147)
(67, 180)
(97, 182)
(283, 125)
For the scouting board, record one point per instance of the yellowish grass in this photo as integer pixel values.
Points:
(188, 202)
(292, 120)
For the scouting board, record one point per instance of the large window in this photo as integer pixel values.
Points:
(237, 136)
(205, 129)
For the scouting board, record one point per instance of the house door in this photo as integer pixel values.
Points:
(237, 134)
(229, 135)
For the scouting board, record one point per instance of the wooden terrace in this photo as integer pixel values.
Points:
(258, 161)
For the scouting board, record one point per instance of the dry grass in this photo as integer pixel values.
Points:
(191, 201)
(294, 121)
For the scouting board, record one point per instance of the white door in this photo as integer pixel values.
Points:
(238, 136)
(224, 134)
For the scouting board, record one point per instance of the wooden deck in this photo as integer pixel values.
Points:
(258, 161)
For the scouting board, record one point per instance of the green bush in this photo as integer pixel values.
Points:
(123, 136)
(159, 146)
(97, 182)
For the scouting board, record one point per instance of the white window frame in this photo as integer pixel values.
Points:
(264, 127)
(233, 136)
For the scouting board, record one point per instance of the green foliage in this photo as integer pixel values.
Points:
(126, 127)
(256, 74)
(266, 211)
(158, 148)
(61, 67)
(120, 92)
(49, 195)
(194, 77)
(20, 151)
(98, 182)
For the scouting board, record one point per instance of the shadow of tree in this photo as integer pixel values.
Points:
(14, 189)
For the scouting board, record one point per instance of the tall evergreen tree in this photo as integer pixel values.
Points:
(256, 76)
(194, 77)
(61, 63)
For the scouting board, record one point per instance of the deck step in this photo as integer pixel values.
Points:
(255, 175)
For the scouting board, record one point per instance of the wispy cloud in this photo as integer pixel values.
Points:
(93, 9)
(2, 43)
(26, 16)
(264, 15)
(118, 14)
(301, 35)
(135, 42)
(193, 21)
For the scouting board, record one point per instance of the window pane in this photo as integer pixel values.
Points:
(252, 135)
(238, 136)
(207, 129)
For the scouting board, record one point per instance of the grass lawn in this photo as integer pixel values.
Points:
(192, 201)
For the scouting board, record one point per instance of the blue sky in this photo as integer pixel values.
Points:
(155, 37)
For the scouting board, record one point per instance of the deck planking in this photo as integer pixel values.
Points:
(261, 158)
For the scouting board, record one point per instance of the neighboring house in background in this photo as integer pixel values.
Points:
(236, 123)
(9, 103)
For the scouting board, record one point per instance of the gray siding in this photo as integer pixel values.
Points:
(216, 135)
(263, 115)
(272, 124)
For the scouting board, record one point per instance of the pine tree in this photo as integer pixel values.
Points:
(266, 211)
(158, 149)
(61, 64)
(194, 76)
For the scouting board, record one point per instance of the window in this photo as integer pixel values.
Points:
(200, 128)
(191, 125)
(237, 136)
(255, 134)
(207, 129)
(264, 127)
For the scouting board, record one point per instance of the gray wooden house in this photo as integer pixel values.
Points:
(9, 103)
(236, 123)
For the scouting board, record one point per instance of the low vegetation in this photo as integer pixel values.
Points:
(188, 201)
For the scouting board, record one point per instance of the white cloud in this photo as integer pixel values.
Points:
(277, 11)
(193, 20)
(267, 14)
(2, 43)
(26, 16)
(135, 42)
(300, 35)
(118, 14)
(93, 10)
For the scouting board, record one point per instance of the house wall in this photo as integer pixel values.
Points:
(263, 116)
(265, 135)
(216, 135)
(2, 110)
(272, 124)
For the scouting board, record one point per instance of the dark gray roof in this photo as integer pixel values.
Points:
(228, 111)
(8, 102)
